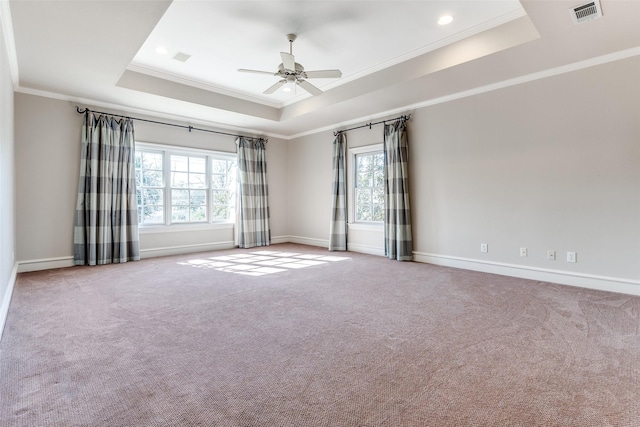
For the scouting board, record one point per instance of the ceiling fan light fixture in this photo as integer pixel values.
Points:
(445, 19)
(289, 71)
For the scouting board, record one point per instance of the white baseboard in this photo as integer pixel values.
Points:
(279, 239)
(6, 298)
(365, 249)
(185, 249)
(309, 241)
(590, 281)
(44, 264)
(61, 262)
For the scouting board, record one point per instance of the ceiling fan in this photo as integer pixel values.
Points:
(291, 72)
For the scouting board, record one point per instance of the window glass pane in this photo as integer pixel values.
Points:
(378, 196)
(219, 166)
(378, 179)
(152, 214)
(197, 165)
(198, 213)
(198, 198)
(180, 213)
(363, 163)
(153, 196)
(180, 197)
(364, 179)
(180, 163)
(378, 213)
(218, 181)
(220, 212)
(152, 161)
(152, 178)
(378, 161)
(363, 196)
(363, 212)
(197, 180)
(180, 179)
(220, 197)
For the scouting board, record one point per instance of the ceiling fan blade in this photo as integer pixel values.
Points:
(275, 87)
(323, 74)
(242, 70)
(288, 61)
(309, 87)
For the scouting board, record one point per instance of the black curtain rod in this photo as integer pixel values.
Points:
(81, 111)
(403, 117)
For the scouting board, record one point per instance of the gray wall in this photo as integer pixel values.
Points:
(550, 164)
(48, 148)
(7, 200)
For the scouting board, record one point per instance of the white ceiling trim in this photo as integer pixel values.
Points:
(204, 86)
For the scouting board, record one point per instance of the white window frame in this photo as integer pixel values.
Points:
(352, 180)
(167, 151)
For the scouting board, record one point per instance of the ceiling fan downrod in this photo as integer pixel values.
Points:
(291, 38)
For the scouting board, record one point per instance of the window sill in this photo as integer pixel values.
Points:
(366, 226)
(174, 228)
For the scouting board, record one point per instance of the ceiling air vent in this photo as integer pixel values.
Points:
(181, 56)
(586, 12)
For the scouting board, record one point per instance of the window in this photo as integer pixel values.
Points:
(184, 186)
(188, 188)
(368, 181)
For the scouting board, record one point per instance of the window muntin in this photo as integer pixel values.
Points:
(369, 187)
(184, 186)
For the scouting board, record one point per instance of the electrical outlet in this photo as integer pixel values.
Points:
(551, 255)
(523, 251)
(571, 257)
(484, 247)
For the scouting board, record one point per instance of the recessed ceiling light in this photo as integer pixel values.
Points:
(444, 20)
(162, 50)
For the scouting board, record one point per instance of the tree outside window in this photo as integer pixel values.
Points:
(369, 187)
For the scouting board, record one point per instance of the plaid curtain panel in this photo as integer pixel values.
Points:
(252, 225)
(106, 219)
(398, 243)
(338, 225)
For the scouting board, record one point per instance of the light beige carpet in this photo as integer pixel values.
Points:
(293, 335)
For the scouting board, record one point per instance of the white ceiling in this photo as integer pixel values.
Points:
(354, 36)
(393, 54)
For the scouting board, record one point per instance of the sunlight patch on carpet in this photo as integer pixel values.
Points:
(260, 263)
